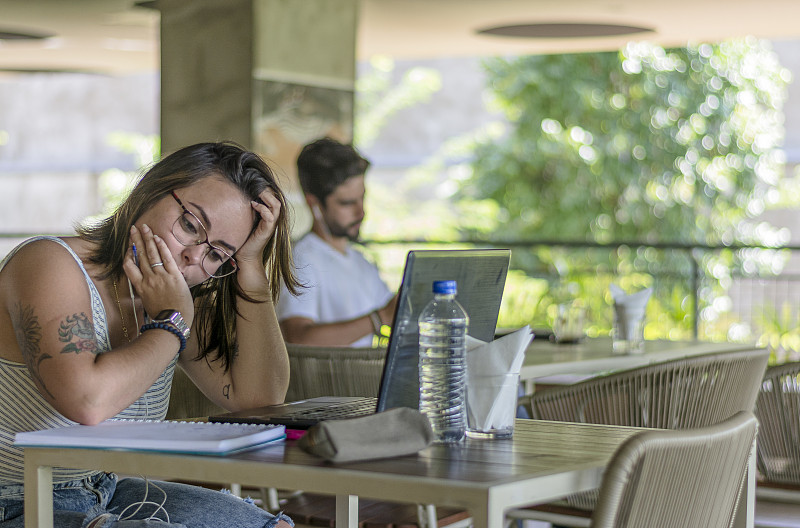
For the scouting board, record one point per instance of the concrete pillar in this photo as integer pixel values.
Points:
(206, 66)
(269, 74)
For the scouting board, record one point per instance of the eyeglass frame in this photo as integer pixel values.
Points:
(230, 259)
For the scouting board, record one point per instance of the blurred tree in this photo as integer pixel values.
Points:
(115, 184)
(380, 96)
(646, 144)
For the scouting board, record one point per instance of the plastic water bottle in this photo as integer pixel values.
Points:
(443, 363)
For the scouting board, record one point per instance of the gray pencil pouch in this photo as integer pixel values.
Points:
(396, 432)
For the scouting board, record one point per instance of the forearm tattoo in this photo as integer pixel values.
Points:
(29, 336)
(226, 390)
(78, 334)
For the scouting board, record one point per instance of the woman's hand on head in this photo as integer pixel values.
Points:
(161, 287)
(269, 213)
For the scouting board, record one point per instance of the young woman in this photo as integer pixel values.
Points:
(92, 327)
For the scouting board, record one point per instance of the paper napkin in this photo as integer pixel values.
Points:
(486, 403)
(629, 310)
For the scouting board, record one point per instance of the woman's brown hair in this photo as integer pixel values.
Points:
(215, 298)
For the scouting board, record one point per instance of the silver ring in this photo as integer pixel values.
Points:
(156, 264)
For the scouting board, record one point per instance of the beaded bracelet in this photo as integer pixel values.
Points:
(169, 328)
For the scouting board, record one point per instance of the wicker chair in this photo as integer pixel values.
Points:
(333, 371)
(692, 392)
(687, 478)
(778, 453)
(186, 400)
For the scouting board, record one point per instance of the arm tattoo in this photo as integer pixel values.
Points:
(78, 334)
(29, 335)
(226, 390)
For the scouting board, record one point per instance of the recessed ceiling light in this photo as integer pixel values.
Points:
(563, 30)
(16, 35)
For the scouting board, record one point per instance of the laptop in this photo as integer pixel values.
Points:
(481, 276)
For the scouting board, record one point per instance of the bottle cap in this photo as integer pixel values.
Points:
(444, 287)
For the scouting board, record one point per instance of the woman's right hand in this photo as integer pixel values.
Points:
(161, 287)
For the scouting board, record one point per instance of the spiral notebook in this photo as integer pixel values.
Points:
(153, 435)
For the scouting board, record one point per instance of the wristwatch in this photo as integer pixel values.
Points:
(174, 319)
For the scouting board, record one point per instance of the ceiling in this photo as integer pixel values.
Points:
(117, 36)
(105, 36)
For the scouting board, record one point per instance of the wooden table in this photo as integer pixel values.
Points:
(545, 359)
(544, 461)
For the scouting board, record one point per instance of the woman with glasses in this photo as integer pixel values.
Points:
(184, 273)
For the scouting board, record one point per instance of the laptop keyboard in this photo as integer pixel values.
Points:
(338, 411)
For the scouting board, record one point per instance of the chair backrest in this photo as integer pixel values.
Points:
(186, 400)
(333, 371)
(690, 392)
(778, 412)
(686, 478)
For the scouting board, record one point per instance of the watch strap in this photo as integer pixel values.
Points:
(175, 319)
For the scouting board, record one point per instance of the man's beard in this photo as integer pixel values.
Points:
(338, 230)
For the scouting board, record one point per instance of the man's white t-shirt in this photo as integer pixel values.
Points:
(338, 287)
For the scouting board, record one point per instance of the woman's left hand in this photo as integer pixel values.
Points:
(269, 212)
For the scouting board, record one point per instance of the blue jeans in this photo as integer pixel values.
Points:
(102, 501)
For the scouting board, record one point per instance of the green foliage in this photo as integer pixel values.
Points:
(678, 146)
(426, 199)
(646, 144)
(522, 302)
(780, 331)
(115, 184)
(379, 97)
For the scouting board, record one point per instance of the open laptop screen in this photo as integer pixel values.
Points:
(481, 276)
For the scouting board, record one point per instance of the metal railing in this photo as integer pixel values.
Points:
(720, 303)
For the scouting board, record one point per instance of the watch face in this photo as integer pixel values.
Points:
(174, 318)
(163, 315)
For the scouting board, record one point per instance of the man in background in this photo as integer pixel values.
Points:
(344, 301)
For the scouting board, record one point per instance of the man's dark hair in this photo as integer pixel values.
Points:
(325, 164)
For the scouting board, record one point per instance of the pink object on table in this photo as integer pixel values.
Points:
(294, 434)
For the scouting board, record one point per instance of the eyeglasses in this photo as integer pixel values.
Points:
(190, 231)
